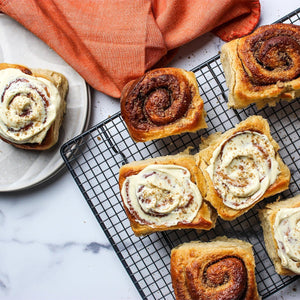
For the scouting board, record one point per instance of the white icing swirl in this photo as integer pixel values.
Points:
(287, 235)
(28, 106)
(242, 168)
(162, 195)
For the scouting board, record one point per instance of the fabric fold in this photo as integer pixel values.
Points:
(112, 42)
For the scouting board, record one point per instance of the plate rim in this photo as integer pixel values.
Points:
(59, 162)
(62, 164)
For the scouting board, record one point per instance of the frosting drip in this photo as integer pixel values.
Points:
(242, 168)
(162, 195)
(28, 106)
(287, 235)
(272, 54)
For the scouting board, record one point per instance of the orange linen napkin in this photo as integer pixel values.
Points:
(111, 42)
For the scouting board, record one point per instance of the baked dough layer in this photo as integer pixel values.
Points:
(267, 217)
(203, 158)
(206, 216)
(263, 67)
(161, 103)
(61, 83)
(221, 269)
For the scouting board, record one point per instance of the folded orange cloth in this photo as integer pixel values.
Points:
(111, 42)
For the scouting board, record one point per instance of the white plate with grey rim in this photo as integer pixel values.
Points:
(21, 169)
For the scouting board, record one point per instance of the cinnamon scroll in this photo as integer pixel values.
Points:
(220, 269)
(32, 104)
(280, 221)
(163, 194)
(163, 102)
(241, 167)
(263, 67)
(232, 172)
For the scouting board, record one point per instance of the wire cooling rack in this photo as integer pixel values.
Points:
(95, 157)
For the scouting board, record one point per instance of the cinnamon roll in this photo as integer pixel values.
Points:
(242, 167)
(32, 105)
(164, 193)
(281, 227)
(264, 66)
(161, 103)
(223, 269)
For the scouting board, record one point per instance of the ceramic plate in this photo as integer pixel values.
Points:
(21, 169)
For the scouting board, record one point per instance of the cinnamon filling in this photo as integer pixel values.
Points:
(158, 99)
(223, 279)
(271, 54)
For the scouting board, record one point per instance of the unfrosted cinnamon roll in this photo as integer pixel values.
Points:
(223, 269)
(161, 103)
(164, 193)
(281, 226)
(32, 104)
(263, 67)
(241, 167)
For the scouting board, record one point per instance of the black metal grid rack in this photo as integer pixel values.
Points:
(94, 159)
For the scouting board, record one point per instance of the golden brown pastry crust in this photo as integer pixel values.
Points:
(62, 85)
(221, 269)
(267, 217)
(206, 216)
(253, 123)
(163, 102)
(263, 67)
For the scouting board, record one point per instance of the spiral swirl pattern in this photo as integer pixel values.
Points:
(242, 168)
(162, 195)
(223, 279)
(27, 106)
(158, 99)
(271, 54)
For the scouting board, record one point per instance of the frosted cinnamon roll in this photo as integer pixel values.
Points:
(281, 226)
(163, 193)
(220, 269)
(242, 167)
(287, 236)
(32, 104)
(264, 66)
(161, 103)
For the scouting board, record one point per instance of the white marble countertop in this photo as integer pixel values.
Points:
(52, 247)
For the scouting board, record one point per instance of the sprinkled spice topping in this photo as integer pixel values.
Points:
(162, 195)
(242, 168)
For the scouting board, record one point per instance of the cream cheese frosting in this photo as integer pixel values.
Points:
(28, 106)
(162, 195)
(242, 168)
(287, 235)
